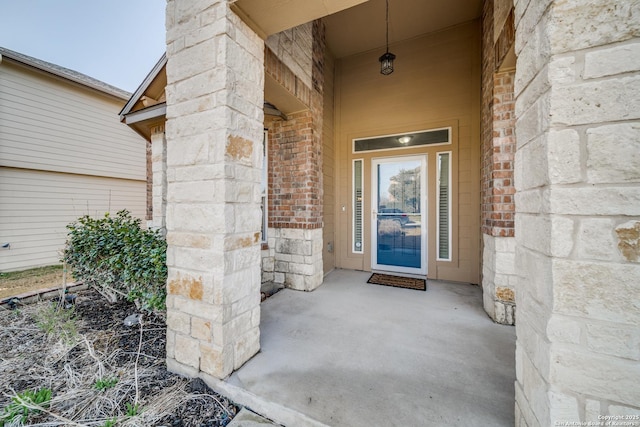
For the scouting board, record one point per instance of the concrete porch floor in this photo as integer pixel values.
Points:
(354, 354)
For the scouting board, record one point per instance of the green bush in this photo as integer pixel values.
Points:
(119, 258)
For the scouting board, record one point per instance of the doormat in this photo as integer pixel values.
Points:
(398, 282)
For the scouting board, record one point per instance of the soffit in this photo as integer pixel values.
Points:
(277, 95)
(268, 17)
(362, 28)
(151, 91)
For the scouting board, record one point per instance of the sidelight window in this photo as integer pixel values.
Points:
(358, 244)
(444, 206)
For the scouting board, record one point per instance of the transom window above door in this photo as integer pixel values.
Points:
(439, 136)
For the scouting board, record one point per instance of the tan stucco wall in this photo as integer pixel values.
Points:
(436, 83)
(328, 168)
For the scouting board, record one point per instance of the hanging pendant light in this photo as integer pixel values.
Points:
(386, 60)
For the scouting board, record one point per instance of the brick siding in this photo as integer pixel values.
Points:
(498, 136)
(295, 146)
(499, 200)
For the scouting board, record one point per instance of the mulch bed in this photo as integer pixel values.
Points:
(101, 350)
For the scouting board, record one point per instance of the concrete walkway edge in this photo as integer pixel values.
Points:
(277, 413)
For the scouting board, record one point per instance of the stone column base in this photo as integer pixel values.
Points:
(297, 256)
(499, 279)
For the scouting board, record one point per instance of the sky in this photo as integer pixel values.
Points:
(115, 41)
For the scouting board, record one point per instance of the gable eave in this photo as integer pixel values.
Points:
(140, 91)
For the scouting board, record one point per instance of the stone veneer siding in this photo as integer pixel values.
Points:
(498, 149)
(214, 133)
(149, 188)
(159, 178)
(293, 47)
(577, 175)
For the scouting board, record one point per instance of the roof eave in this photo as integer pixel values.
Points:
(139, 92)
(64, 73)
(153, 112)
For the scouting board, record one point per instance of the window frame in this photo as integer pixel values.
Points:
(449, 130)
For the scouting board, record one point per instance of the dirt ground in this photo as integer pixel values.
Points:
(15, 283)
(100, 372)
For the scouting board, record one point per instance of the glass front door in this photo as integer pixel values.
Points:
(399, 215)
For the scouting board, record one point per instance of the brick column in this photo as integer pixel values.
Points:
(215, 91)
(577, 211)
(295, 173)
(159, 177)
(498, 148)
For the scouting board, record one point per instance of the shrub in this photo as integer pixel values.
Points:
(58, 322)
(119, 258)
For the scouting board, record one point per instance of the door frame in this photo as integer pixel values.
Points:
(424, 220)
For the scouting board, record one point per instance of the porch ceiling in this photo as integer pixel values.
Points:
(355, 26)
(362, 28)
(268, 17)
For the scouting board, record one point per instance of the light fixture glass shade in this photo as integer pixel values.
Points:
(386, 63)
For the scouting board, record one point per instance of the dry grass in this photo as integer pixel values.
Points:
(97, 370)
(18, 282)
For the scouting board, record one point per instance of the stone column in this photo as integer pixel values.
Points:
(159, 177)
(577, 174)
(215, 91)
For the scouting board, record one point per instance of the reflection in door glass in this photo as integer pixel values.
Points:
(399, 217)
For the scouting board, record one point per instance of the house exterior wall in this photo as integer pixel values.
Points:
(63, 154)
(50, 124)
(293, 173)
(501, 10)
(157, 179)
(498, 149)
(294, 48)
(37, 205)
(575, 171)
(293, 254)
(435, 84)
(577, 174)
(149, 188)
(328, 167)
